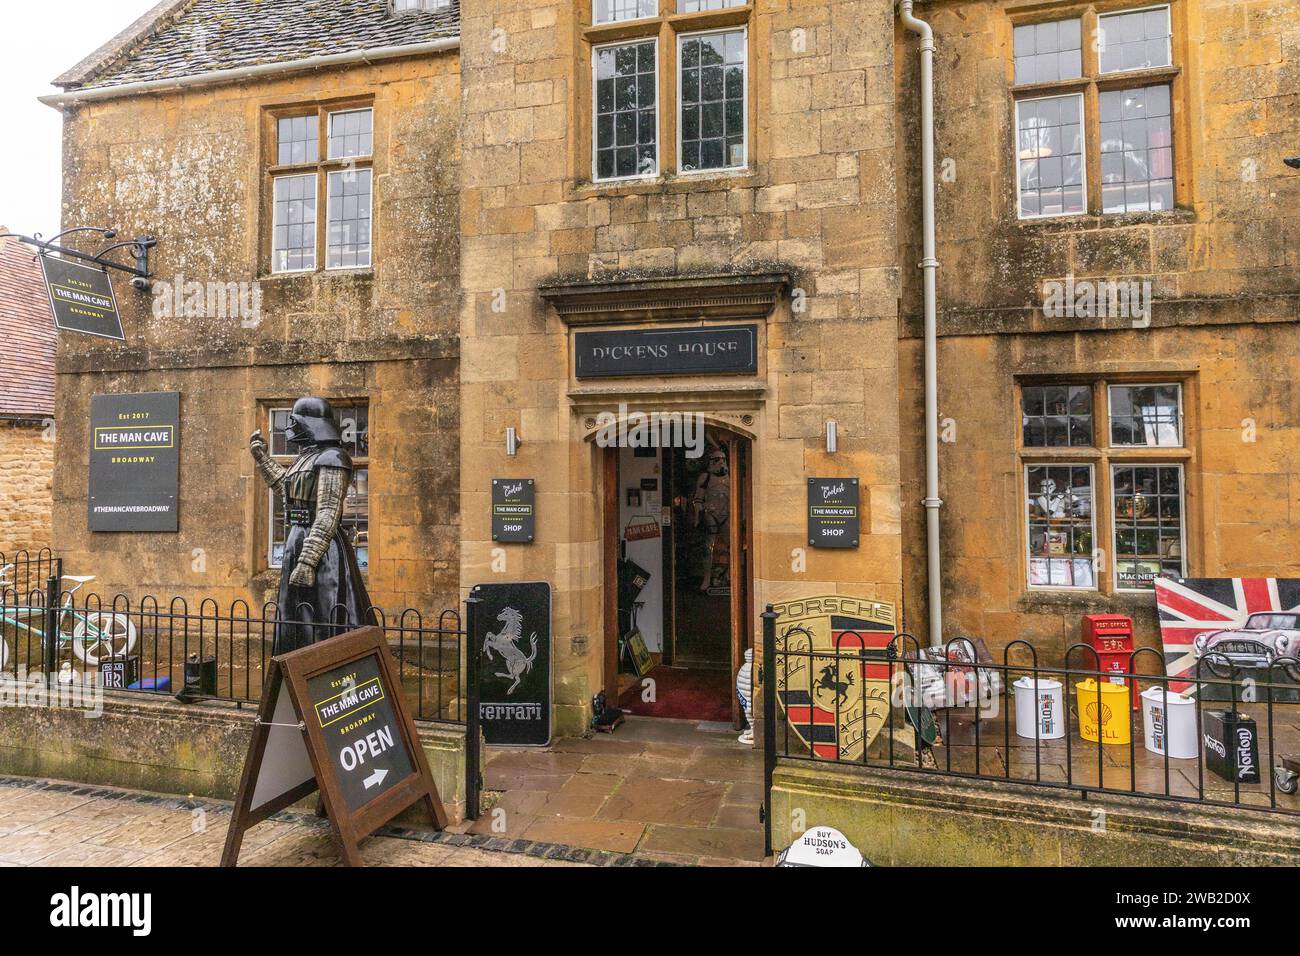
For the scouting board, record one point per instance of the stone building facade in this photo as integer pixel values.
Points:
(547, 170)
(1220, 265)
(239, 335)
(27, 430)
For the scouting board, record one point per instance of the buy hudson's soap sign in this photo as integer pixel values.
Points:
(134, 462)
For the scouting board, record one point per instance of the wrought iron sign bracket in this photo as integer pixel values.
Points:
(138, 249)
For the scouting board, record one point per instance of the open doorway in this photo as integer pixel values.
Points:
(679, 593)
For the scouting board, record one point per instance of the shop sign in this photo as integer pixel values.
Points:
(821, 846)
(134, 462)
(81, 298)
(833, 517)
(709, 350)
(333, 719)
(514, 647)
(514, 510)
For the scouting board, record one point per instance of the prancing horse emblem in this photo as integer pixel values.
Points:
(506, 643)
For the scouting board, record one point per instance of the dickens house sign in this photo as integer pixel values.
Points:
(707, 350)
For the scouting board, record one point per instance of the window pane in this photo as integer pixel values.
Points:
(713, 100)
(293, 237)
(1146, 416)
(1049, 148)
(348, 242)
(351, 134)
(1046, 52)
(296, 140)
(627, 110)
(1060, 526)
(1137, 40)
(695, 6)
(1148, 524)
(1137, 156)
(611, 11)
(1055, 416)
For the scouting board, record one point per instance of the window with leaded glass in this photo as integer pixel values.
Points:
(1050, 145)
(1146, 416)
(1148, 514)
(1061, 527)
(626, 110)
(712, 87)
(1134, 40)
(1056, 416)
(1050, 51)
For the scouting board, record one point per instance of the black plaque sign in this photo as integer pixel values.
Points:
(514, 642)
(710, 350)
(352, 707)
(332, 718)
(833, 517)
(514, 510)
(82, 298)
(134, 461)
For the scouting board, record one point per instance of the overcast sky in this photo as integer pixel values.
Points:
(38, 41)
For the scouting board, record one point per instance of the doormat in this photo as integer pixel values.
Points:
(684, 694)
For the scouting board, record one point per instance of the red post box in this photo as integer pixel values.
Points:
(1111, 636)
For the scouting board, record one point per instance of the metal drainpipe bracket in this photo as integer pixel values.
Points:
(935, 503)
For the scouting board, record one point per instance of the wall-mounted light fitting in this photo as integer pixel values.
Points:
(512, 441)
(832, 438)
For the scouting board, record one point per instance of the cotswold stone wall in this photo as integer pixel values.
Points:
(816, 201)
(191, 168)
(26, 486)
(1225, 289)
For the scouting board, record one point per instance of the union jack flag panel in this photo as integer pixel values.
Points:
(1218, 611)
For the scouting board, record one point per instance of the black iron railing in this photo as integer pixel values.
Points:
(905, 707)
(170, 648)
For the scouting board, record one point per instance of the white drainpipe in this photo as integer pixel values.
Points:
(929, 266)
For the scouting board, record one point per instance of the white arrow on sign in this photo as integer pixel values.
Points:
(375, 779)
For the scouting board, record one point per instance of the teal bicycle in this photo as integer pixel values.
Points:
(92, 636)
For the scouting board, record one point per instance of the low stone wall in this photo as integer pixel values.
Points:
(898, 818)
(162, 746)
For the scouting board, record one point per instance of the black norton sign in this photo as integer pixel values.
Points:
(712, 350)
(833, 517)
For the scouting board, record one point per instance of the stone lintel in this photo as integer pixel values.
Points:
(667, 299)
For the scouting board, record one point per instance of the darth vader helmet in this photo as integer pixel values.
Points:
(312, 422)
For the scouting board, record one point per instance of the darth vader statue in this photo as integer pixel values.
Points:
(320, 582)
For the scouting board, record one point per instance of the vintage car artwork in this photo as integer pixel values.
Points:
(1265, 637)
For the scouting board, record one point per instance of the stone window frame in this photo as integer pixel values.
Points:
(322, 168)
(1103, 457)
(1091, 85)
(266, 508)
(666, 25)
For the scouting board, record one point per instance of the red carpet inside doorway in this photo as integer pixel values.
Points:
(684, 694)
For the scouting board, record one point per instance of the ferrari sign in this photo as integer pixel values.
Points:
(833, 671)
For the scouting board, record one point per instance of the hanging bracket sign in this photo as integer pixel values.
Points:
(834, 520)
(82, 299)
(333, 719)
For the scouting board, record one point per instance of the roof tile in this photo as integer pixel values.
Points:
(210, 35)
(27, 331)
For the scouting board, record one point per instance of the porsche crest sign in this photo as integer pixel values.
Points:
(833, 671)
